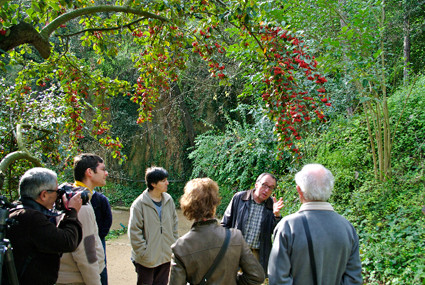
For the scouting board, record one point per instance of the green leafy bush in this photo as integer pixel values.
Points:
(122, 195)
(388, 215)
(390, 223)
(344, 149)
(407, 112)
(116, 233)
(234, 158)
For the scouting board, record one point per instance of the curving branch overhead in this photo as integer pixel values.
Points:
(25, 33)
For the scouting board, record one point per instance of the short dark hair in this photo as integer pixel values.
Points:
(83, 162)
(154, 174)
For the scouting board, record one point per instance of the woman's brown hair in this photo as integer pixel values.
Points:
(200, 199)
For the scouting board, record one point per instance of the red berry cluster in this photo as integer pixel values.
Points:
(207, 51)
(290, 72)
(2, 30)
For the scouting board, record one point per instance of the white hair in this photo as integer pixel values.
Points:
(316, 182)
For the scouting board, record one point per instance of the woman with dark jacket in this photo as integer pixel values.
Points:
(195, 252)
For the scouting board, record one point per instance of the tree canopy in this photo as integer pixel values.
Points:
(57, 90)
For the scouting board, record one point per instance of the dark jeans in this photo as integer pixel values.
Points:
(104, 273)
(152, 276)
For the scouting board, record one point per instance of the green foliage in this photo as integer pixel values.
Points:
(390, 225)
(122, 195)
(116, 233)
(286, 188)
(343, 148)
(235, 157)
(226, 195)
(387, 216)
(349, 36)
(407, 107)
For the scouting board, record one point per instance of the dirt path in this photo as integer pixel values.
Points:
(118, 251)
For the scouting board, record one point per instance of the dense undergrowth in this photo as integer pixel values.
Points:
(387, 215)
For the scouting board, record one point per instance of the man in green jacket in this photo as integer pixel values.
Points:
(152, 229)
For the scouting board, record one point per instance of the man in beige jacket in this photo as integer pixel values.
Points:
(84, 265)
(153, 229)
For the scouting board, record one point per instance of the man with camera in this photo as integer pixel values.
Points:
(84, 265)
(36, 240)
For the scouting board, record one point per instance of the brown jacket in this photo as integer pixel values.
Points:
(194, 253)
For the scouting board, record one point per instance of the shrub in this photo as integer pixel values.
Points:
(234, 158)
(122, 195)
(389, 221)
(406, 110)
(387, 215)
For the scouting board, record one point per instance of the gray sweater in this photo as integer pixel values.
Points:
(335, 243)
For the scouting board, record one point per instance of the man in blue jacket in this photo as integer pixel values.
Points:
(90, 172)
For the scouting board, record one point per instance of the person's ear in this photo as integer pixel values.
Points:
(300, 193)
(257, 184)
(42, 196)
(88, 172)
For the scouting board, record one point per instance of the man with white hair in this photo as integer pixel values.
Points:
(315, 245)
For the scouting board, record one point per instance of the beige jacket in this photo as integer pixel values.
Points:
(151, 237)
(85, 263)
(195, 252)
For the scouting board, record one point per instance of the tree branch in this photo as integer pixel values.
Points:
(103, 29)
(12, 157)
(24, 33)
(50, 28)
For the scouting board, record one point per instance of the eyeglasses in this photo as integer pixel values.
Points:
(50, 191)
(264, 185)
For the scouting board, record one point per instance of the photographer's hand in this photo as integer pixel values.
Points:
(75, 202)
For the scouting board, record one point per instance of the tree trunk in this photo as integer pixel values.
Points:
(371, 140)
(406, 47)
(343, 23)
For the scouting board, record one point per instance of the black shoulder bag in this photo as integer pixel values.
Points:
(310, 248)
(217, 259)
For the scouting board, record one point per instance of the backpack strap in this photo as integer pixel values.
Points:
(310, 248)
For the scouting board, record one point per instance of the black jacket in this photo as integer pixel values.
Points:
(236, 216)
(103, 213)
(38, 244)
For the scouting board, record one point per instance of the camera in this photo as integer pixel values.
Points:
(69, 191)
